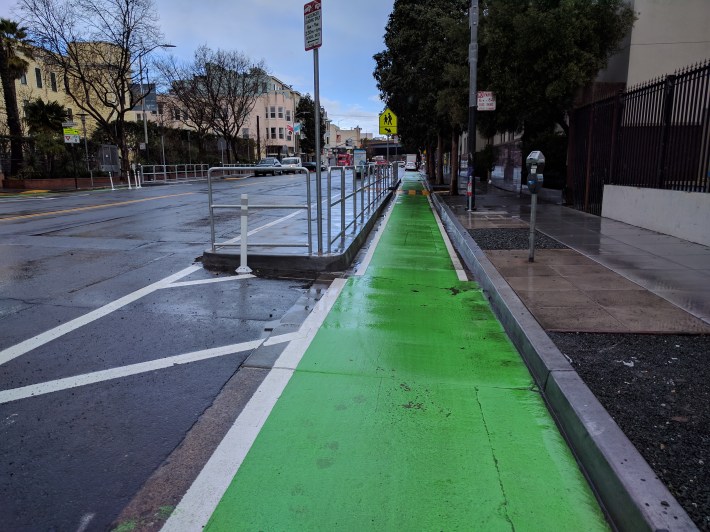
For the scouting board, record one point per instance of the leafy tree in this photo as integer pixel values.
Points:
(306, 115)
(13, 39)
(421, 74)
(98, 46)
(44, 122)
(536, 55)
(44, 117)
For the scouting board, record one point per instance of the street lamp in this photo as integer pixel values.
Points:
(86, 146)
(140, 69)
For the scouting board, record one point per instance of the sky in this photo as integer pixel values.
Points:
(272, 30)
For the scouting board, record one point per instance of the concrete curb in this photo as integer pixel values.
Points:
(297, 264)
(626, 486)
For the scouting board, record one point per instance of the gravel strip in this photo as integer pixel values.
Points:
(656, 389)
(490, 239)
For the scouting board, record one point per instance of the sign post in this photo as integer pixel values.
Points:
(388, 126)
(313, 38)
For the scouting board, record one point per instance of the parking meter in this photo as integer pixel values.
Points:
(536, 164)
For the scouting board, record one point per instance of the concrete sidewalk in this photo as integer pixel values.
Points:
(618, 278)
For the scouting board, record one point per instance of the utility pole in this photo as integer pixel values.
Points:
(258, 139)
(472, 104)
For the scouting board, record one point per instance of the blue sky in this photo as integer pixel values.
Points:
(272, 30)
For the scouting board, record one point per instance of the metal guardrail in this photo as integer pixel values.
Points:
(244, 208)
(172, 172)
(375, 181)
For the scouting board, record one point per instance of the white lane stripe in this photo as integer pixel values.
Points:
(373, 246)
(196, 507)
(265, 226)
(460, 272)
(76, 381)
(32, 343)
(209, 281)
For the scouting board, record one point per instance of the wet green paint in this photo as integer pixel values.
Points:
(411, 410)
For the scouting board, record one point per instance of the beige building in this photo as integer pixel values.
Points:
(667, 36)
(41, 82)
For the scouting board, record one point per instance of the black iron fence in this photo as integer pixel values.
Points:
(656, 135)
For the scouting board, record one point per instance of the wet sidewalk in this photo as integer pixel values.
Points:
(410, 410)
(618, 278)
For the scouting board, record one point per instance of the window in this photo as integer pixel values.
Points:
(176, 114)
(273, 132)
(23, 79)
(264, 87)
(53, 81)
(288, 115)
(160, 108)
(139, 117)
(288, 135)
(281, 132)
(70, 114)
(38, 77)
(272, 114)
(281, 112)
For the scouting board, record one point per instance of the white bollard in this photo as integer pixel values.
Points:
(243, 268)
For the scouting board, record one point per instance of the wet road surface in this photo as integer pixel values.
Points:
(113, 346)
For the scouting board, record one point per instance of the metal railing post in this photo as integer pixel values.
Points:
(329, 214)
(243, 268)
(308, 213)
(209, 196)
(342, 201)
(355, 195)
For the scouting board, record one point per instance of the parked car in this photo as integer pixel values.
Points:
(291, 162)
(270, 162)
(311, 165)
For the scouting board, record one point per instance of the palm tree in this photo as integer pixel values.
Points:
(13, 38)
(44, 121)
(44, 117)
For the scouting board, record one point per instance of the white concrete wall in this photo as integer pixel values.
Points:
(685, 215)
(668, 35)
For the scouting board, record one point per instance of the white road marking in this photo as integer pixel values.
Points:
(196, 507)
(266, 226)
(42, 388)
(84, 522)
(460, 272)
(32, 343)
(209, 281)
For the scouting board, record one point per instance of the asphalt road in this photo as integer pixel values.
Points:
(109, 337)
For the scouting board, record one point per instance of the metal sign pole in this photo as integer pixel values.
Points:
(319, 192)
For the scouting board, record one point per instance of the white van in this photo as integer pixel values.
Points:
(288, 163)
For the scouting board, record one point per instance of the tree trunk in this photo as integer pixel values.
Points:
(454, 185)
(431, 162)
(13, 116)
(439, 159)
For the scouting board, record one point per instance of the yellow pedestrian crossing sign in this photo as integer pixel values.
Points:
(388, 123)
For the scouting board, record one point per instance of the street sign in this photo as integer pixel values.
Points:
(388, 123)
(72, 139)
(68, 124)
(312, 24)
(486, 101)
(71, 131)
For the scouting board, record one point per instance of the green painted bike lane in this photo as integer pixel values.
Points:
(410, 410)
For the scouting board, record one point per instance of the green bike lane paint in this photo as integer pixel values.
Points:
(410, 410)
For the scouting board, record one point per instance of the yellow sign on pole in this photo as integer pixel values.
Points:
(388, 123)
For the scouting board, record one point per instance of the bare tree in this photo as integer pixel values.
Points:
(186, 93)
(232, 84)
(98, 45)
